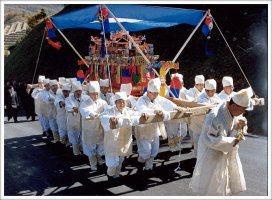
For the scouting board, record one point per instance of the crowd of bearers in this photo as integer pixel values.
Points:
(99, 124)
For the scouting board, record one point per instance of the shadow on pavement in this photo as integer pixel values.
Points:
(34, 166)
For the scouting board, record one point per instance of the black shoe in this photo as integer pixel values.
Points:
(44, 134)
(33, 118)
(27, 117)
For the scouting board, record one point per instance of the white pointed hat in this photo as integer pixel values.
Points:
(62, 80)
(210, 84)
(227, 81)
(41, 78)
(76, 85)
(243, 98)
(46, 81)
(72, 80)
(154, 85)
(104, 83)
(93, 86)
(66, 86)
(53, 82)
(199, 79)
(119, 95)
(126, 88)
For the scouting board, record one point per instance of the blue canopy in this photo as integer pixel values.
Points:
(132, 17)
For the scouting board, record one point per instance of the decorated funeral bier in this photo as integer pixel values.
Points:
(126, 64)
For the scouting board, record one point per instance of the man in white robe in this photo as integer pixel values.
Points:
(72, 104)
(131, 100)
(208, 97)
(198, 89)
(227, 92)
(147, 136)
(35, 95)
(176, 129)
(193, 94)
(61, 113)
(44, 94)
(49, 99)
(218, 169)
(104, 90)
(92, 132)
(118, 142)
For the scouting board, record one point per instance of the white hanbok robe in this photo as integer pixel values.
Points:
(197, 121)
(92, 133)
(131, 102)
(44, 108)
(193, 93)
(37, 102)
(147, 135)
(73, 118)
(49, 98)
(183, 94)
(218, 170)
(177, 127)
(107, 98)
(205, 99)
(224, 96)
(118, 142)
(61, 117)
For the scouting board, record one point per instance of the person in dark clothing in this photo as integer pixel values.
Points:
(11, 103)
(29, 105)
(27, 101)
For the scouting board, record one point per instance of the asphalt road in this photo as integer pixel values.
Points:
(34, 167)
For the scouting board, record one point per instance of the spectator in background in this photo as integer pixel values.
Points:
(11, 104)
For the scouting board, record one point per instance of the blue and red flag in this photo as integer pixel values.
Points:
(206, 30)
(51, 36)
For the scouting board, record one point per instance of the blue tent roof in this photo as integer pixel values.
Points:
(132, 17)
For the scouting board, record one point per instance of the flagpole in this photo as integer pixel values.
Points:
(37, 61)
(105, 46)
(188, 39)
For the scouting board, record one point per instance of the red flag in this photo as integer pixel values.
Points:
(56, 45)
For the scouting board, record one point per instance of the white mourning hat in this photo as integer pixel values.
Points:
(243, 98)
(93, 86)
(210, 84)
(53, 82)
(154, 85)
(126, 88)
(72, 80)
(180, 76)
(62, 80)
(66, 86)
(76, 85)
(227, 81)
(104, 83)
(119, 95)
(46, 81)
(199, 79)
(41, 78)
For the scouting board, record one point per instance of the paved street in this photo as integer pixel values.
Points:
(34, 167)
